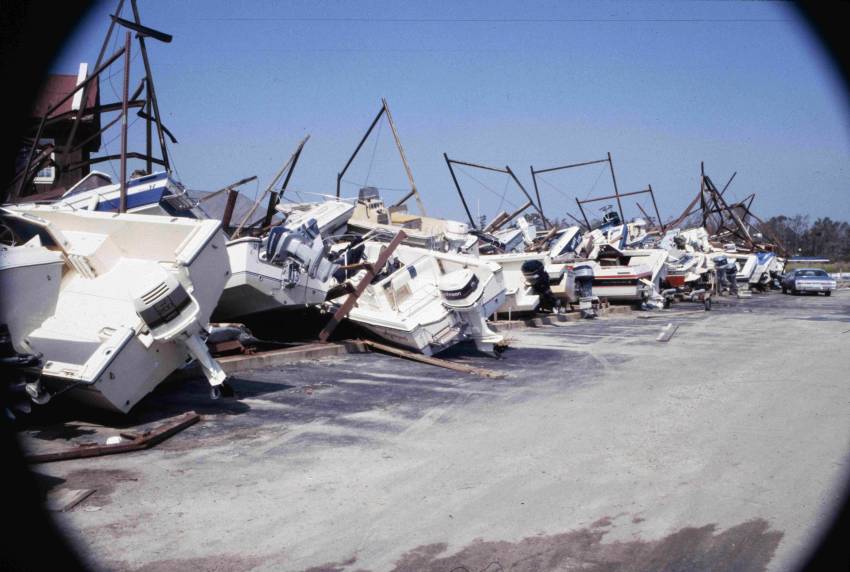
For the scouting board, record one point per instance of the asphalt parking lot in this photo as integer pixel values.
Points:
(723, 448)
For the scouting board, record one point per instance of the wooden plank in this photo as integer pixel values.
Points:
(64, 500)
(144, 441)
(430, 360)
(346, 306)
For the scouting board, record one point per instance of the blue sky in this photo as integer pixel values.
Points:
(661, 85)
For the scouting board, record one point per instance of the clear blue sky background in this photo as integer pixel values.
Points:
(661, 85)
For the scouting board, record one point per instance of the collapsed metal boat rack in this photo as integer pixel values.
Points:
(723, 220)
(503, 218)
(617, 195)
(143, 98)
(385, 110)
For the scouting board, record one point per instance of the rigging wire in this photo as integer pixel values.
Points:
(374, 152)
(465, 172)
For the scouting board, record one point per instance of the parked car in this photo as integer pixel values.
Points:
(805, 280)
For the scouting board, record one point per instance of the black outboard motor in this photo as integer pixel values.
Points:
(583, 277)
(537, 278)
(611, 218)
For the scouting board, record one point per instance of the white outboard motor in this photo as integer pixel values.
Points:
(583, 276)
(461, 291)
(171, 314)
(457, 236)
(299, 250)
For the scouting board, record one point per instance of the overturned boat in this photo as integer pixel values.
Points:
(289, 268)
(429, 301)
(114, 303)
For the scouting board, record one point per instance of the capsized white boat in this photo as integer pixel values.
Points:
(288, 269)
(113, 302)
(155, 194)
(429, 301)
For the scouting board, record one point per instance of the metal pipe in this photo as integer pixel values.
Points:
(616, 191)
(654, 204)
(150, 86)
(357, 149)
(97, 65)
(148, 131)
(541, 171)
(413, 191)
(527, 196)
(629, 194)
(459, 192)
(537, 192)
(477, 166)
(584, 216)
(122, 201)
(274, 197)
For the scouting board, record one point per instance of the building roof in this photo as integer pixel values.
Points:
(57, 86)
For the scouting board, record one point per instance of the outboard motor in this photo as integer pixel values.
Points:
(727, 272)
(461, 291)
(299, 250)
(537, 278)
(610, 219)
(583, 276)
(171, 314)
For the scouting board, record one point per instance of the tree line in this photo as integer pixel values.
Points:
(824, 237)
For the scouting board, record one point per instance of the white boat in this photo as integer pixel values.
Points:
(689, 265)
(628, 275)
(527, 283)
(288, 269)
(371, 214)
(156, 194)
(429, 301)
(127, 306)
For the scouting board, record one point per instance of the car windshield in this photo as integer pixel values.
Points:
(808, 273)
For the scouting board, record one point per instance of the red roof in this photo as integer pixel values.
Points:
(57, 86)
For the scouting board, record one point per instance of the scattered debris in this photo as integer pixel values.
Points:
(667, 332)
(136, 442)
(430, 360)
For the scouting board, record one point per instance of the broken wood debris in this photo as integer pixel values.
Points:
(667, 332)
(64, 500)
(430, 360)
(136, 442)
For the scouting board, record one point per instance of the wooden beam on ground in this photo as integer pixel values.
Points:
(64, 500)
(346, 307)
(144, 441)
(430, 360)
